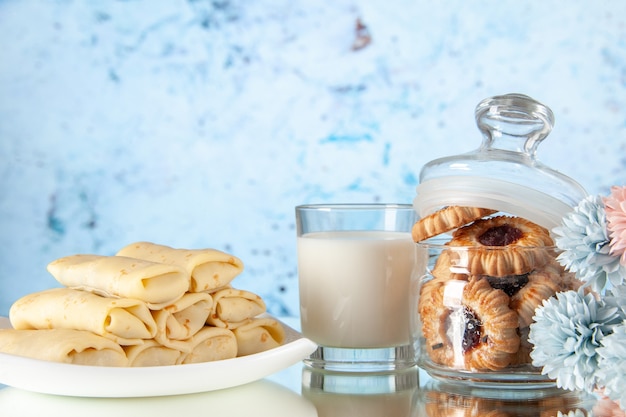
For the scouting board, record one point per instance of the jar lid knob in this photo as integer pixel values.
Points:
(514, 122)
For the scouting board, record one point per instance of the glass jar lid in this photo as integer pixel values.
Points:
(503, 173)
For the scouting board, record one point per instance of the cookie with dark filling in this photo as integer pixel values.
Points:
(502, 245)
(468, 324)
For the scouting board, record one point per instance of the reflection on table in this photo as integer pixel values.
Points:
(299, 391)
(415, 394)
(443, 399)
(260, 399)
(369, 395)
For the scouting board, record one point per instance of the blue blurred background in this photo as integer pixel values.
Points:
(203, 123)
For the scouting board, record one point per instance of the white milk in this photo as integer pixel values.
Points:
(354, 288)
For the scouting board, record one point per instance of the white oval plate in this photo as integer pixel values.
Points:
(100, 381)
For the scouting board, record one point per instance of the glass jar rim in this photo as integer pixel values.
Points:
(482, 247)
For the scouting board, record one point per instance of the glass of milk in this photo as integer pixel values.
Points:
(354, 264)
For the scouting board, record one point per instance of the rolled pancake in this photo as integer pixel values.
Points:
(119, 276)
(233, 307)
(210, 344)
(259, 335)
(78, 347)
(182, 319)
(210, 269)
(151, 353)
(125, 321)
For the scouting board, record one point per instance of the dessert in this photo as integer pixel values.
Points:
(433, 314)
(446, 219)
(468, 324)
(522, 245)
(542, 284)
(476, 307)
(489, 328)
(451, 264)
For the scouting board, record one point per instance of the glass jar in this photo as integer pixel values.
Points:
(486, 257)
(504, 172)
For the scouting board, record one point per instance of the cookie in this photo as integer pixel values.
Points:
(522, 357)
(542, 284)
(447, 265)
(503, 245)
(445, 220)
(497, 340)
(468, 325)
(433, 314)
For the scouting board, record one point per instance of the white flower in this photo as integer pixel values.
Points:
(611, 372)
(583, 238)
(567, 331)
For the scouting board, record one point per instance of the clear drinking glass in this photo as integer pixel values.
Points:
(355, 263)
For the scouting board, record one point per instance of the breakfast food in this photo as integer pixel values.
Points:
(258, 335)
(515, 246)
(210, 344)
(151, 353)
(118, 276)
(182, 319)
(446, 219)
(125, 311)
(479, 297)
(78, 347)
(233, 307)
(123, 320)
(210, 269)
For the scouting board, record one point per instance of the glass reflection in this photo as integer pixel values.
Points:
(437, 399)
(362, 395)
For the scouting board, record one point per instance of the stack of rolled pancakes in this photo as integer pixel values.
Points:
(149, 305)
